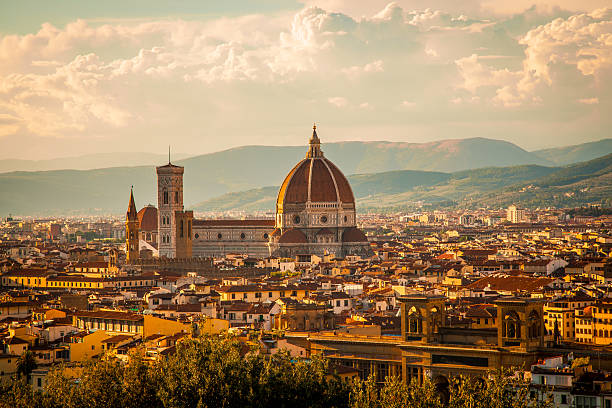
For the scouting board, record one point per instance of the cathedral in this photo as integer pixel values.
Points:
(315, 214)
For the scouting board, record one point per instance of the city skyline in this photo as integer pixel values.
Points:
(206, 77)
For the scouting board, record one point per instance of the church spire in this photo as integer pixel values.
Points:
(132, 214)
(314, 149)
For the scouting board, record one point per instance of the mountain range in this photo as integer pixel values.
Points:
(86, 162)
(364, 156)
(527, 185)
(383, 173)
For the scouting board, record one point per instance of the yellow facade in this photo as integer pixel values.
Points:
(26, 280)
(157, 325)
(563, 318)
(91, 346)
(584, 325)
(602, 323)
(8, 366)
(262, 294)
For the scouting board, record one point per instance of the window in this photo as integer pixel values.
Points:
(182, 229)
(176, 197)
(269, 294)
(165, 197)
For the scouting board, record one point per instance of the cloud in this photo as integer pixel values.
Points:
(146, 79)
(338, 101)
(579, 46)
(589, 101)
(355, 71)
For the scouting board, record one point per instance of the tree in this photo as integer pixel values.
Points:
(26, 364)
(222, 372)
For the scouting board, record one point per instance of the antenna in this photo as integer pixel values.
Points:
(168, 154)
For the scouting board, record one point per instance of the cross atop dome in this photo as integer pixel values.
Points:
(314, 149)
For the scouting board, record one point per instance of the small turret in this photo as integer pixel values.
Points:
(314, 150)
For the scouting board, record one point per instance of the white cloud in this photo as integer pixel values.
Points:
(87, 80)
(589, 101)
(579, 45)
(356, 70)
(338, 101)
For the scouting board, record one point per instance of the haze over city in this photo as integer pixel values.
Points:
(79, 77)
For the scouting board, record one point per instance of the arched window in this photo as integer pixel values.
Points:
(165, 196)
(176, 197)
(182, 229)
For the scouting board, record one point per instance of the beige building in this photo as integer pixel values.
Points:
(516, 215)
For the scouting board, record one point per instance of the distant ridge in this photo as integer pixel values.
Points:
(577, 153)
(212, 175)
(85, 162)
(528, 185)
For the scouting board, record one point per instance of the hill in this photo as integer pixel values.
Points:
(401, 188)
(562, 156)
(377, 181)
(529, 185)
(85, 162)
(583, 183)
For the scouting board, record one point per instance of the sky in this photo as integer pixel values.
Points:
(82, 77)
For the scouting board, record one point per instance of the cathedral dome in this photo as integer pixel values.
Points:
(147, 217)
(315, 179)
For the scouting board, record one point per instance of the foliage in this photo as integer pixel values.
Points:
(26, 363)
(212, 372)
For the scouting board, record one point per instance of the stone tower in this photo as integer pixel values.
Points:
(132, 227)
(174, 225)
(169, 202)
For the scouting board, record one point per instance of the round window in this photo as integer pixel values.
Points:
(296, 219)
(197, 235)
(219, 236)
(323, 219)
(266, 235)
(242, 236)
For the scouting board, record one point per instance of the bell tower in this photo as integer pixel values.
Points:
(132, 230)
(169, 201)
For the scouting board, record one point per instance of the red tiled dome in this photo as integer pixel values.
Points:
(324, 231)
(293, 236)
(354, 235)
(148, 218)
(325, 184)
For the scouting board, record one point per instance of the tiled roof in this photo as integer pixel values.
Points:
(511, 283)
